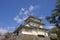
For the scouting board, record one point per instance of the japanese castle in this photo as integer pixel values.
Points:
(32, 26)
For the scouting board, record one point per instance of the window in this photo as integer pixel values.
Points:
(41, 36)
(28, 30)
(34, 24)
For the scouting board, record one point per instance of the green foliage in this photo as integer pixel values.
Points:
(53, 30)
(58, 33)
(55, 19)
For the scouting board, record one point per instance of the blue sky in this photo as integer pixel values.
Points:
(13, 12)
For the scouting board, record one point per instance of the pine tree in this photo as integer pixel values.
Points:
(55, 18)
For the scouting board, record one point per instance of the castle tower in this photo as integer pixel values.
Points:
(32, 26)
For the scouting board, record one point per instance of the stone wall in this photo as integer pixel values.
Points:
(29, 37)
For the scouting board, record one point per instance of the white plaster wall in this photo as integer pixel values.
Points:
(46, 34)
(27, 25)
(26, 32)
(41, 26)
(41, 33)
(23, 32)
(34, 32)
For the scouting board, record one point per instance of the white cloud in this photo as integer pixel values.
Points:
(3, 31)
(40, 17)
(11, 27)
(50, 27)
(24, 18)
(31, 8)
(17, 19)
(22, 11)
(25, 12)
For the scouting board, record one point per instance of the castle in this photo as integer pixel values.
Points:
(33, 29)
(32, 26)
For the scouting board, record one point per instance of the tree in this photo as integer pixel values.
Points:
(55, 18)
